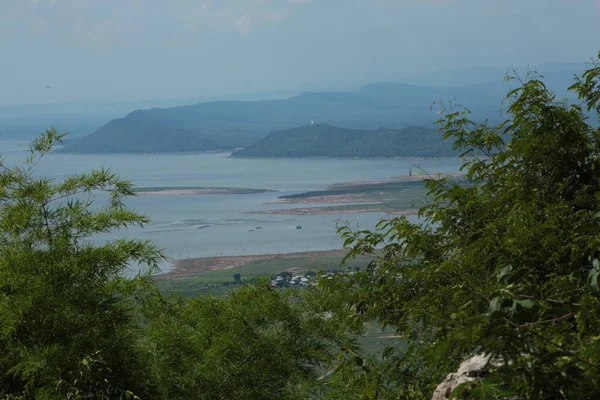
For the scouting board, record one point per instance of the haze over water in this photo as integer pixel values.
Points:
(188, 226)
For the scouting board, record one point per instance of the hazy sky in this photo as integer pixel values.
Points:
(145, 49)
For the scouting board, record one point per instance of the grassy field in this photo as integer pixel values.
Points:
(219, 281)
(412, 200)
(368, 191)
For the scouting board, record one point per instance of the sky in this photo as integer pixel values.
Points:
(127, 50)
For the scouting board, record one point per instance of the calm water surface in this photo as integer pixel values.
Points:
(216, 225)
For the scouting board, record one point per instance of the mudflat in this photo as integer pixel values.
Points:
(194, 266)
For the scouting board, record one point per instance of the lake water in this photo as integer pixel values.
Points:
(216, 225)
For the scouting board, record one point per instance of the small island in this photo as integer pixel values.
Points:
(401, 195)
(323, 140)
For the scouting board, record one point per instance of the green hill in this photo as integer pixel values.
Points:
(131, 136)
(230, 124)
(329, 141)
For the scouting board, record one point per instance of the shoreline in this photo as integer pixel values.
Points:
(190, 191)
(332, 210)
(327, 199)
(418, 176)
(186, 268)
(397, 195)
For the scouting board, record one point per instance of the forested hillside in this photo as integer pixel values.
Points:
(231, 124)
(324, 140)
(131, 136)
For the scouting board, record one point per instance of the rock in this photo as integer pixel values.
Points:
(471, 369)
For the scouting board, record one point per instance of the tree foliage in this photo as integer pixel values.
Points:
(256, 343)
(322, 140)
(65, 309)
(75, 324)
(505, 265)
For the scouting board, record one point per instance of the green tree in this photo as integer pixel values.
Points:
(255, 343)
(504, 264)
(66, 322)
(74, 325)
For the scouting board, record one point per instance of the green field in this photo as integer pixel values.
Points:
(220, 281)
(411, 201)
(372, 191)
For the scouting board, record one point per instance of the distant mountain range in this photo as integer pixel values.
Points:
(26, 121)
(221, 125)
(324, 140)
(231, 124)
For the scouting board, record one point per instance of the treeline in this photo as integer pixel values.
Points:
(324, 140)
(505, 267)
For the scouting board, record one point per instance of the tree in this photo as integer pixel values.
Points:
(237, 277)
(66, 322)
(287, 275)
(73, 325)
(255, 343)
(505, 263)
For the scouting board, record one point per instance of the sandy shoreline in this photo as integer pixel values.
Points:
(379, 200)
(197, 191)
(333, 210)
(194, 266)
(331, 198)
(183, 192)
